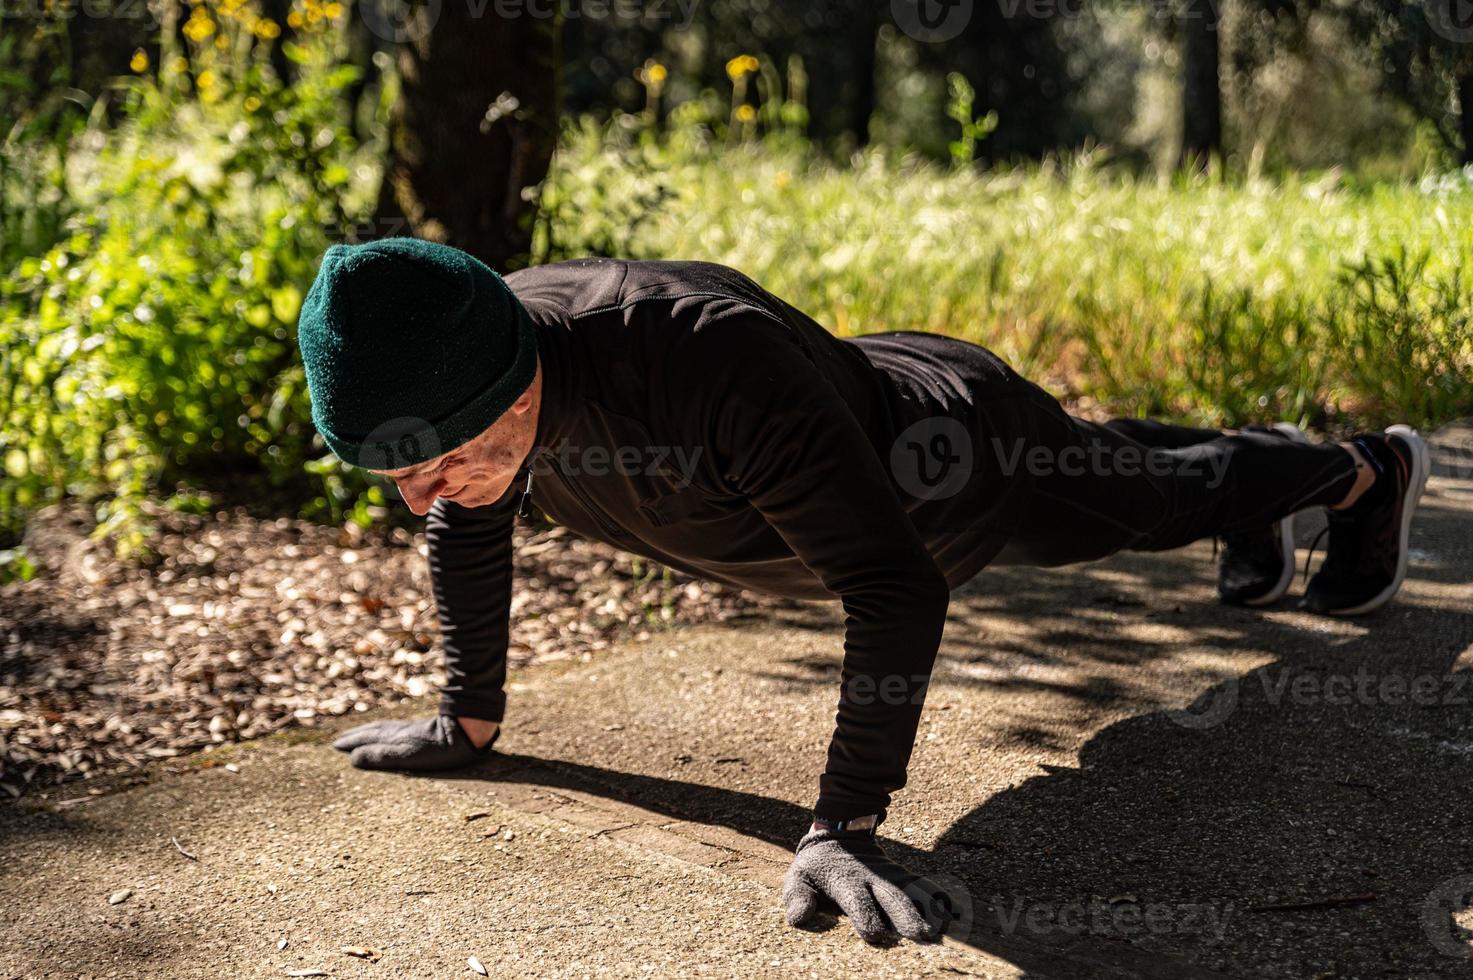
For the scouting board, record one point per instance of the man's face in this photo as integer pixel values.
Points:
(478, 472)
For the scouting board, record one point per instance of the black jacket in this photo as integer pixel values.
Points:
(692, 417)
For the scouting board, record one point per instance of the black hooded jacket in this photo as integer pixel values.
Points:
(692, 417)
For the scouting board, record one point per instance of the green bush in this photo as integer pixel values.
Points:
(147, 347)
(1207, 300)
(154, 343)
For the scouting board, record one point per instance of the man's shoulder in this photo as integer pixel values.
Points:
(580, 288)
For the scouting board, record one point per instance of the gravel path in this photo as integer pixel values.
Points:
(241, 627)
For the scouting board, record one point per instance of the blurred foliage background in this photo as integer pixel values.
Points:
(1216, 211)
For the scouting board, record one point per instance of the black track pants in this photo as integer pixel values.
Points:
(1146, 486)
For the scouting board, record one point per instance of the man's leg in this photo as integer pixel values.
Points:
(1255, 566)
(1098, 489)
(1152, 433)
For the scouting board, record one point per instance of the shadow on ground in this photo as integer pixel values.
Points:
(1304, 818)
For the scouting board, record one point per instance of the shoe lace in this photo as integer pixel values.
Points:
(1251, 546)
(1312, 546)
(1342, 555)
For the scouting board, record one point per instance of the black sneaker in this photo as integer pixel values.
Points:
(1366, 561)
(1257, 566)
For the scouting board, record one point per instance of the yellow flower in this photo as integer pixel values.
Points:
(657, 74)
(139, 64)
(742, 64)
(267, 29)
(221, 42)
(252, 103)
(206, 80)
(294, 20)
(332, 10)
(745, 113)
(199, 26)
(180, 64)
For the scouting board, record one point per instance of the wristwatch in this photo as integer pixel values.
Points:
(864, 824)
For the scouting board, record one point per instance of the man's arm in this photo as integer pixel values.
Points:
(470, 553)
(788, 442)
(471, 566)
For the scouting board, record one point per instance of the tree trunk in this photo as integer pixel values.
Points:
(475, 123)
(864, 37)
(1465, 116)
(1201, 93)
(281, 66)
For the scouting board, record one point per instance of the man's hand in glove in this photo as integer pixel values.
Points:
(418, 746)
(880, 897)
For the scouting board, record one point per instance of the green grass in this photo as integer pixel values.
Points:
(149, 350)
(1214, 301)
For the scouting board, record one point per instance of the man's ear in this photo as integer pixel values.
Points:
(523, 402)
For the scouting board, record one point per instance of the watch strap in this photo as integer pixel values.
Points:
(865, 824)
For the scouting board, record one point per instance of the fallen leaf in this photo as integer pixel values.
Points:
(308, 973)
(363, 953)
(475, 964)
(478, 815)
(119, 897)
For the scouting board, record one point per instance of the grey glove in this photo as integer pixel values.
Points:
(880, 897)
(413, 746)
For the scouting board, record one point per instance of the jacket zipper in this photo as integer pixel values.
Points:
(594, 510)
(524, 508)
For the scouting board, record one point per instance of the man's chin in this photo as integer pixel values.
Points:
(468, 498)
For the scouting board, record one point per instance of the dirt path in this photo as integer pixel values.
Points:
(1118, 777)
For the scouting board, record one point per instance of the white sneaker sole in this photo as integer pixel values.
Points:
(1421, 469)
(1286, 537)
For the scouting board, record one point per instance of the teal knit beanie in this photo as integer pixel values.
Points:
(411, 349)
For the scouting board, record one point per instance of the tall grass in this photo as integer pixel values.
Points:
(146, 334)
(1220, 302)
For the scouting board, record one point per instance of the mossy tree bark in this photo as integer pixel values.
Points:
(1201, 101)
(474, 126)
